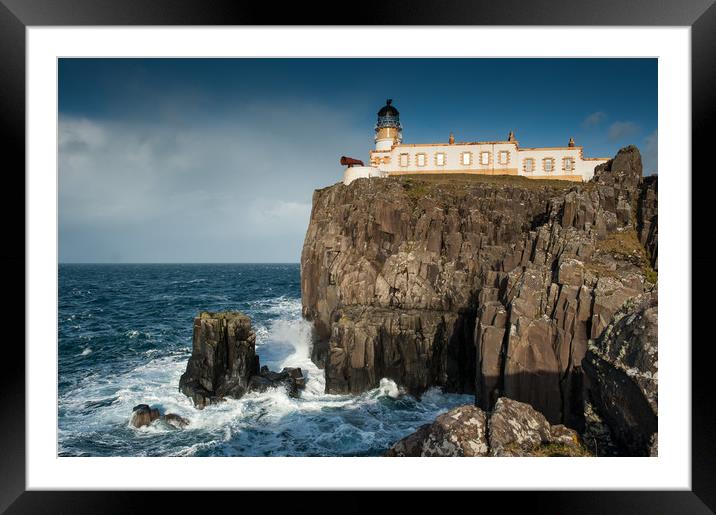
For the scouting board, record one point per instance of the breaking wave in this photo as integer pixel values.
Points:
(96, 402)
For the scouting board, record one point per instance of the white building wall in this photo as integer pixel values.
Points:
(453, 158)
(583, 168)
(514, 165)
(352, 173)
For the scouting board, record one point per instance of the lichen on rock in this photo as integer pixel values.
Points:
(511, 429)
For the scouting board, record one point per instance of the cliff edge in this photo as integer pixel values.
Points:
(478, 284)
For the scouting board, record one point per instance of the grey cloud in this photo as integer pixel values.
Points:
(620, 130)
(651, 153)
(234, 189)
(594, 119)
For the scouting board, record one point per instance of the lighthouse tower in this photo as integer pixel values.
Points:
(388, 130)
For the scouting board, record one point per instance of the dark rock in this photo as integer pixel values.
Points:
(291, 378)
(175, 420)
(143, 415)
(223, 358)
(511, 429)
(648, 218)
(622, 370)
(260, 383)
(224, 363)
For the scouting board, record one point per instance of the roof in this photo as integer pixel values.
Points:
(388, 109)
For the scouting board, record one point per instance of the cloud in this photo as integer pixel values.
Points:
(230, 189)
(594, 119)
(651, 153)
(622, 130)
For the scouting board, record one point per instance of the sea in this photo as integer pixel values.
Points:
(125, 338)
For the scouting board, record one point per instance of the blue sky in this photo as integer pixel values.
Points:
(215, 160)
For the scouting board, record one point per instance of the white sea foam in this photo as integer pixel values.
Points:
(267, 423)
(390, 388)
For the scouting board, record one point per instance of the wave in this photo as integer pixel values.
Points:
(95, 412)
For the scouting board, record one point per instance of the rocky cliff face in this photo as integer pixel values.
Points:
(491, 285)
(622, 375)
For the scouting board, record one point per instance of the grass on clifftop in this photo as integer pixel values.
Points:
(418, 185)
(625, 246)
(555, 450)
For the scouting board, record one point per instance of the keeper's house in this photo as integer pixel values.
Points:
(393, 157)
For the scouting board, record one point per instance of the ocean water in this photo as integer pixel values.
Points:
(125, 338)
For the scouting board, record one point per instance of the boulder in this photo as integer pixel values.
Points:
(143, 415)
(223, 358)
(511, 429)
(516, 429)
(461, 431)
(290, 377)
(175, 420)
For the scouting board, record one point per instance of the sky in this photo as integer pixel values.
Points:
(216, 160)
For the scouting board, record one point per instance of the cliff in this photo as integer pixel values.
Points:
(477, 284)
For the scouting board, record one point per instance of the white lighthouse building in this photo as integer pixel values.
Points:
(393, 157)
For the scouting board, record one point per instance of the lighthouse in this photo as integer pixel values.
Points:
(391, 157)
(388, 131)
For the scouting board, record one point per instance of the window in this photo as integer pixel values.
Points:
(503, 157)
(404, 160)
(420, 159)
(568, 164)
(529, 165)
(466, 158)
(484, 158)
(440, 159)
(548, 164)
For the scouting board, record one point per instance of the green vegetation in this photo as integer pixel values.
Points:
(562, 450)
(651, 275)
(624, 246)
(416, 189)
(575, 450)
(228, 315)
(457, 179)
(418, 186)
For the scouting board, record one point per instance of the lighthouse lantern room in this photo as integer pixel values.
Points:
(388, 131)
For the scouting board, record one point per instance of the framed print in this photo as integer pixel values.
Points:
(272, 251)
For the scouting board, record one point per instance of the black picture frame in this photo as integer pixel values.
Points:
(16, 15)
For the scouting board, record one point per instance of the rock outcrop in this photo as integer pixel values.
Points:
(511, 429)
(144, 415)
(491, 285)
(622, 371)
(223, 358)
(224, 362)
(290, 377)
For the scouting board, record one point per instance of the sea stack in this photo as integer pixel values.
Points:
(224, 362)
(223, 358)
